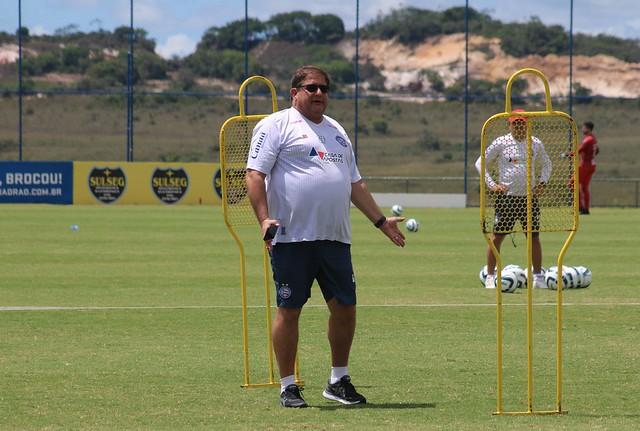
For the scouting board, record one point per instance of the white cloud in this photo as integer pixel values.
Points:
(176, 45)
(147, 12)
(79, 3)
(38, 30)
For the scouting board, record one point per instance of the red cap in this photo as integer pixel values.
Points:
(516, 117)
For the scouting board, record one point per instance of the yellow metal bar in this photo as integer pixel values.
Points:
(529, 269)
(262, 385)
(547, 93)
(267, 290)
(265, 81)
(488, 238)
(532, 413)
(243, 279)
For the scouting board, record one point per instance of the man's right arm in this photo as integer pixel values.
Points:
(257, 193)
(490, 154)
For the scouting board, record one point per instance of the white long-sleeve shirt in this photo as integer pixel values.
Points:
(511, 156)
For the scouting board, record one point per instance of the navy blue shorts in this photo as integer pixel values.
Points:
(296, 265)
(510, 209)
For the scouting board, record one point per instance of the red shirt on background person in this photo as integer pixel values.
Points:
(587, 152)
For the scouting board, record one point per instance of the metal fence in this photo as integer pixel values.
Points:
(605, 192)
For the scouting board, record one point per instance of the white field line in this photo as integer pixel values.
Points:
(232, 307)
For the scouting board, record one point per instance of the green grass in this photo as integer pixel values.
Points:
(168, 354)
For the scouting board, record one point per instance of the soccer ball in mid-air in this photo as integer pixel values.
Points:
(412, 225)
(396, 210)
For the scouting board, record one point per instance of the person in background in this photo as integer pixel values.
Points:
(510, 189)
(587, 152)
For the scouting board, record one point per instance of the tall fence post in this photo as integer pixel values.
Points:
(357, 81)
(20, 89)
(130, 88)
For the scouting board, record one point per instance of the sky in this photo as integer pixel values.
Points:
(177, 26)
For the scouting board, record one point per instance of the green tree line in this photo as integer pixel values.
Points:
(101, 56)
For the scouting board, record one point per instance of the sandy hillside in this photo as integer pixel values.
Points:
(403, 66)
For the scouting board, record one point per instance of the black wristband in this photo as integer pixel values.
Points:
(382, 220)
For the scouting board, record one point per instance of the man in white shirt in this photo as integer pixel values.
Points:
(301, 179)
(510, 190)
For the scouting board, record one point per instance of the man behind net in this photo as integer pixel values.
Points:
(510, 191)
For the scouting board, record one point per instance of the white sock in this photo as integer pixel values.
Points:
(337, 373)
(286, 381)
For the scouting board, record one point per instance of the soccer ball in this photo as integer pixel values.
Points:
(509, 282)
(584, 276)
(571, 277)
(412, 225)
(482, 275)
(396, 210)
(511, 267)
(551, 278)
(521, 276)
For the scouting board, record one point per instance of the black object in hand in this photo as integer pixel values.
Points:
(271, 232)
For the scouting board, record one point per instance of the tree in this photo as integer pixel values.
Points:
(42, 64)
(150, 66)
(582, 93)
(533, 37)
(111, 72)
(326, 28)
(225, 64)
(67, 30)
(74, 59)
(23, 32)
(231, 36)
(291, 26)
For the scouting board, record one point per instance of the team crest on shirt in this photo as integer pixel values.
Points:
(322, 139)
(327, 157)
(340, 140)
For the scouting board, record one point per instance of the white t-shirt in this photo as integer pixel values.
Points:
(512, 163)
(310, 168)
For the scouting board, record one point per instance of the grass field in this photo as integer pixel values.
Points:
(132, 322)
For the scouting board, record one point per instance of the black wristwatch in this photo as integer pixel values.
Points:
(381, 221)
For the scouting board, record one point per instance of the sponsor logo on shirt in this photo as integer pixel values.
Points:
(340, 140)
(327, 157)
(256, 149)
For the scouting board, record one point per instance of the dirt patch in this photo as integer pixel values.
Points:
(404, 66)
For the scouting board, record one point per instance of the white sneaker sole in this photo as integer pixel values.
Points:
(328, 396)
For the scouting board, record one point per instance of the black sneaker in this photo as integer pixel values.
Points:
(291, 397)
(343, 392)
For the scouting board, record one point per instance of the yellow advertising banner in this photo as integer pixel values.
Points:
(145, 183)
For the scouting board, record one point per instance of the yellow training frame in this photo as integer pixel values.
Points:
(235, 142)
(571, 227)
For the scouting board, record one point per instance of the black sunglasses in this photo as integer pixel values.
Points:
(313, 88)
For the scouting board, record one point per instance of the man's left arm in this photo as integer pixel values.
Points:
(362, 199)
(545, 171)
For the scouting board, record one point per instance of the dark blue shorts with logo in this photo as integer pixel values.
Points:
(296, 265)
